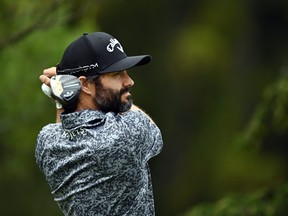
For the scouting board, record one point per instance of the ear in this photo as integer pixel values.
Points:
(87, 86)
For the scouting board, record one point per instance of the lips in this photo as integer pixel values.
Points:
(127, 95)
(124, 91)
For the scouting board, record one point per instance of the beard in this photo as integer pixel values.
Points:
(109, 100)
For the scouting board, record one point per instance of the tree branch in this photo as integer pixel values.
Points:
(46, 19)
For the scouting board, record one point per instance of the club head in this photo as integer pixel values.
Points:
(65, 89)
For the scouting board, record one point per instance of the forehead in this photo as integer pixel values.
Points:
(107, 76)
(111, 74)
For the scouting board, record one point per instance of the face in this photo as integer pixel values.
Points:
(112, 92)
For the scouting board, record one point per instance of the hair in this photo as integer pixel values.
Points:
(72, 107)
(95, 79)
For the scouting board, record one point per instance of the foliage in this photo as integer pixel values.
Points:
(270, 119)
(259, 203)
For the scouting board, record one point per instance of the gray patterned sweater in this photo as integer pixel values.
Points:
(96, 163)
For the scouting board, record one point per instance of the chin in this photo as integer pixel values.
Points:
(125, 106)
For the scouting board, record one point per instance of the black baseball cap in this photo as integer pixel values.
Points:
(97, 53)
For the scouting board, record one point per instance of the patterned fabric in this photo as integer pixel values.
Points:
(96, 163)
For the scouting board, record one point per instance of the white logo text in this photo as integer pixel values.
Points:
(114, 43)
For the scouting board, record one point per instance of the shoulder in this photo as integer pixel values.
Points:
(135, 117)
(49, 130)
(46, 134)
(138, 120)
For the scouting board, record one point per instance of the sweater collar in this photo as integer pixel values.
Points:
(84, 117)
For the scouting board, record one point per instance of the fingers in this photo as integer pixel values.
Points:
(45, 79)
(47, 74)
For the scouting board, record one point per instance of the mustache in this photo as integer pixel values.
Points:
(124, 90)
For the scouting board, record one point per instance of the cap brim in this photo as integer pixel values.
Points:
(128, 62)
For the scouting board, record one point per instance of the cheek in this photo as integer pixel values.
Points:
(112, 83)
(114, 87)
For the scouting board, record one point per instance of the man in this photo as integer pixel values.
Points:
(95, 158)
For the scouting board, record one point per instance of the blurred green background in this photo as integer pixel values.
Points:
(217, 87)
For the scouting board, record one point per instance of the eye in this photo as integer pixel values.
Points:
(118, 73)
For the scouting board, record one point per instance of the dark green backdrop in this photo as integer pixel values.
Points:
(216, 86)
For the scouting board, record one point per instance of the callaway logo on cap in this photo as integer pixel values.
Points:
(97, 53)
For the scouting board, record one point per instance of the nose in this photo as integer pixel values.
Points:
(127, 81)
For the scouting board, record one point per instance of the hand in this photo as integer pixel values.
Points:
(47, 74)
(45, 79)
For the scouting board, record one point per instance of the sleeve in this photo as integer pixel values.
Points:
(39, 150)
(40, 145)
(148, 141)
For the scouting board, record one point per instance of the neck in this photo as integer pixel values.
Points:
(86, 103)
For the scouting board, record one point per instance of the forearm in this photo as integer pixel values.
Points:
(58, 112)
(136, 108)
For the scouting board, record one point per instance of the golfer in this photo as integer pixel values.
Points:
(95, 158)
